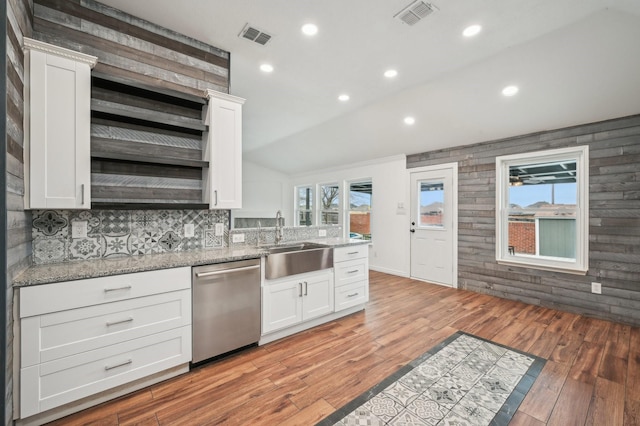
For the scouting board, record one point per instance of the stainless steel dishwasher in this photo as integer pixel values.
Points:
(226, 307)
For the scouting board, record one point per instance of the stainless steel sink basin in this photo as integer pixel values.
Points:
(292, 259)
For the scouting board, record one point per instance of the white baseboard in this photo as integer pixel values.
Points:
(389, 271)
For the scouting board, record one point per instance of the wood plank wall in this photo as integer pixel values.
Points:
(132, 48)
(19, 24)
(614, 221)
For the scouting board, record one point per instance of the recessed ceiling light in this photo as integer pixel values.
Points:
(310, 29)
(409, 121)
(390, 73)
(344, 97)
(510, 90)
(266, 68)
(472, 30)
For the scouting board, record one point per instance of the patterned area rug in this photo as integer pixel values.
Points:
(463, 381)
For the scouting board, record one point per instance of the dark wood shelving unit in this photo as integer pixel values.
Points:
(146, 146)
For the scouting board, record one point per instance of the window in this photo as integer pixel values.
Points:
(431, 204)
(542, 209)
(359, 210)
(304, 205)
(329, 204)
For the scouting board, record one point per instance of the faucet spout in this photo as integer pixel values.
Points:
(279, 220)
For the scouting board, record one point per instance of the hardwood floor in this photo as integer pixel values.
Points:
(592, 376)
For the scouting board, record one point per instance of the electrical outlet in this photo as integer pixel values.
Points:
(79, 229)
(238, 238)
(189, 230)
(596, 288)
(219, 229)
(322, 232)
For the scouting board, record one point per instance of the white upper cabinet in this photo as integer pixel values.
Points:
(222, 147)
(57, 127)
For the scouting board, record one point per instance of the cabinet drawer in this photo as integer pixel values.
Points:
(340, 254)
(52, 384)
(42, 299)
(351, 271)
(351, 294)
(59, 334)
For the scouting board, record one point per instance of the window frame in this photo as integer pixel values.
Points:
(581, 263)
(347, 205)
(319, 206)
(297, 210)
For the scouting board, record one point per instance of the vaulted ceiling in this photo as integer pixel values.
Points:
(574, 61)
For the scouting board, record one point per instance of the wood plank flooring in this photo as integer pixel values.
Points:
(592, 376)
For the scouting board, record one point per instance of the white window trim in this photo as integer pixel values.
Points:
(347, 204)
(581, 263)
(296, 208)
(319, 208)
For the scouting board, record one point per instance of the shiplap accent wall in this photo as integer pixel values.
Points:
(132, 48)
(19, 24)
(614, 221)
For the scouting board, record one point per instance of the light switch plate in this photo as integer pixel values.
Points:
(219, 229)
(79, 228)
(238, 238)
(189, 230)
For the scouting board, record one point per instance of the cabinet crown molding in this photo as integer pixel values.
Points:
(219, 95)
(31, 44)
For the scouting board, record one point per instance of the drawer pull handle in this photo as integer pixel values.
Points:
(122, 364)
(306, 289)
(126, 287)
(110, 323)
(352, 295)
(300, 293)
(352, 252)
(353, 272)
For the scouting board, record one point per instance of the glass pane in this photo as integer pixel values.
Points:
(329, 218)
(542, 206)
(305, 218)
(360, 210)
(330, 197)
(305, 198)
(431, 203)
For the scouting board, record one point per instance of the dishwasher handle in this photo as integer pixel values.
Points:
(226, 271)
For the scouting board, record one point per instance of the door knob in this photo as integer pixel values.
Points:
(412, 230)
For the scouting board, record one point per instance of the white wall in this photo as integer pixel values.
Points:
(264, 192)
(389, 223)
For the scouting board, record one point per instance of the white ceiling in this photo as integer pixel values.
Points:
(575, 61)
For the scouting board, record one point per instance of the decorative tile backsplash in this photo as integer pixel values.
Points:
(112, 233)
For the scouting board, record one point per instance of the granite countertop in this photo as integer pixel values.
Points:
(69, 271)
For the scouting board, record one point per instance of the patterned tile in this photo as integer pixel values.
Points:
(145, 242)
(49, 250)
(210, 239)
(115, 222)
(92, 219)
(170, 241)
(84, 248)
(50, 223)
(463, 381)
(116, 245)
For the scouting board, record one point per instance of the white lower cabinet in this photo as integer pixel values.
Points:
(351, 265)
(99, 333)
(292, 300)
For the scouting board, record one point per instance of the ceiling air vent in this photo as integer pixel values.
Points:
(415, 12)
(255, 35)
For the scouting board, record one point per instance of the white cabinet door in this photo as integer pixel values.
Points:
(57, 127)
(317, 296)
(295, 299)
(223, 149)
(282, 305)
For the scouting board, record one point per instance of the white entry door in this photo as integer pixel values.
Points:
(434, 218)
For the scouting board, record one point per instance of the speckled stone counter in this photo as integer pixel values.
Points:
(69, 271)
